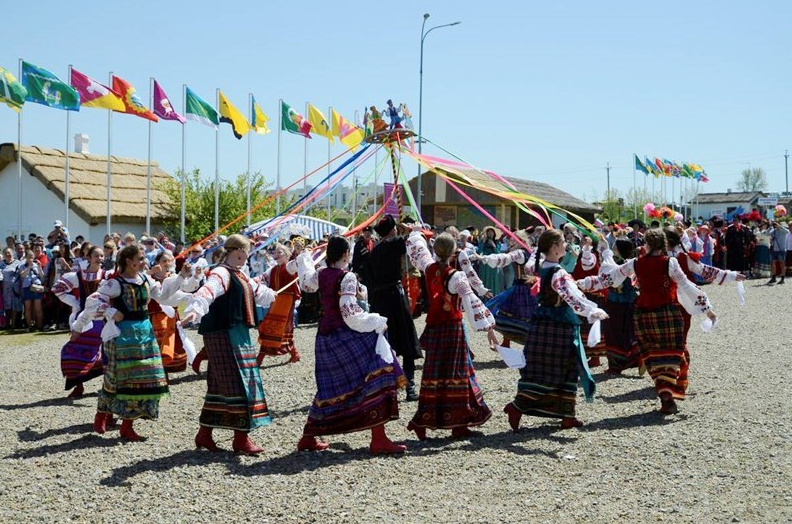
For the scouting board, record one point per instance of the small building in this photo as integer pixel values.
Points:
(43, 189)
(707, 205)
(442, 205)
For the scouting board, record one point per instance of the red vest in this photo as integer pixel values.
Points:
(657, 288)
(443, 306)
(279, 277)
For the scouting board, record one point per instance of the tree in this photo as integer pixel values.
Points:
(199, 203)
(753, 179)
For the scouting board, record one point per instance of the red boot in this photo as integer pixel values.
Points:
(295, 356)
(100, 423)
(128, 433)
(110, 421)
(77, 392)
(667, 404)
(594, 362)
(514, 416)
(419, 432)
(260, 359)
(463, 433)
(196, 363)
(243, 445)
(570, 422)
(381, 444)
(204, 440)
(307, 443)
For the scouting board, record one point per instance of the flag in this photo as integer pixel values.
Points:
(12, 93)
(662, 167)
(319, 123)
(258, 120)
(651, 167)
(45, 88)
(293, 122)
(639, 165)
(349, 134)
(231, 115)
(163, 107)
(200, 110)
(673, 169)
(94, 94)
(132, 103)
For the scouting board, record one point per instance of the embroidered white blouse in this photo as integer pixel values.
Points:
(216, 285)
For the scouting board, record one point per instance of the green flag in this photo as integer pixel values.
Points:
(293, 122)
(200, 110)
(12, 93)
(45, 88)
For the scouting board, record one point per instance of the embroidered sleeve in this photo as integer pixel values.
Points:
(262, 294)
(291, 267)
(501, 260)
(467, 268)
(711, 274)
(354, 316)
(418, 252)
(163, 291)
(306, 269)
(214, 287)
(565, 286)
(693, 299)
(97, 305)
(476, 312)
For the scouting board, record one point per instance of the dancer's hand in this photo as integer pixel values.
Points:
(74, 336)
(488, 295)
(186, 270)
(492, 337)
(189, 318)
(741, 277)
(711, 315)
(118, 317)
(599, 315)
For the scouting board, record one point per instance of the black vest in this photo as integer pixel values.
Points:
(228, 310)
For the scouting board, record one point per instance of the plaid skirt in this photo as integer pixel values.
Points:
(81, 359)
(356, 389)
(553, 364)
(661, 338)
(276, 331)
(174, 358)
(234, 391)
(450, 395)
(619, 333)
(515, 313)
(134, 381)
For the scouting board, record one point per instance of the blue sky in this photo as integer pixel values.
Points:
(549, 91)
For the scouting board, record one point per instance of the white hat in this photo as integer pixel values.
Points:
(58, 223)
(464, 233)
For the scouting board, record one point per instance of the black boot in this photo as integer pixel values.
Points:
(412, 394)
(773, 281)
(781, 281)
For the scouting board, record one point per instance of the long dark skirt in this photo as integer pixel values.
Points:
(514, 315)
(391, 302)
(356, 388)
(553, 364)
(450, 395)
(81, 359)
(661, 338)
(234, 392)
(619, 333)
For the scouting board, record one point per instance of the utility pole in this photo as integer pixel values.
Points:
(607, 169)
(786, 170)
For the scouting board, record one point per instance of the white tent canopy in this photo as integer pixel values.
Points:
(303, 225)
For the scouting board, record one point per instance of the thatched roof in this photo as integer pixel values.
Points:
(724, 198)
(88, 182)
(537, 189)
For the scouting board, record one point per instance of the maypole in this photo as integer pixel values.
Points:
(388, 138)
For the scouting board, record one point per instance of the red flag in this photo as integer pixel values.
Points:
(131, 101)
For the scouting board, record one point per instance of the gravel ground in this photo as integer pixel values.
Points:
(727, 457)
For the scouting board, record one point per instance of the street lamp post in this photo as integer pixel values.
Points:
(420, 97)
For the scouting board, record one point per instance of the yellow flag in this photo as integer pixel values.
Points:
(231, 115)
(319, 123)
(259, 121)
(349, 134)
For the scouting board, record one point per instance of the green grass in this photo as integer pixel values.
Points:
(22, 338)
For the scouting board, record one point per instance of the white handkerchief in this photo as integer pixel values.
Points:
(594, 336)
(741, 293)
(187, 344)
(110, 330)
(708, 325)
(383, 349)
(514, 358)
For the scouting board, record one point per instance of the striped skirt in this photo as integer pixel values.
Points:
(174, 358)
(276, 331)
(761, 265)
(234, 391)
(661, 338)
(553, 364)
(81, 359)
(134, 381)
(356, 389)
(450, 395)
(618, 331)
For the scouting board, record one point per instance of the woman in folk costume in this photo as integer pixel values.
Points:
(134, 380)
(81, 358)
(588, 265)
(761, 262)
(225, 307)
(450, 396)
(276, 331)
(492, 277)
(554, 354)
(357, 374)
(659, 324)
(514, 307)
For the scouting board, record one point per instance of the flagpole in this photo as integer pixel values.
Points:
(184, 149)
(19, 165)
(217, 167)
(67, 173)
(305, 159)
(278, 173)
(329, 152)
(148, 164)
(108, 222)
(250, 160)
(635, 194)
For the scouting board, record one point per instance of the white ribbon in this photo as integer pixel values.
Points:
(187, 344)
(594, 335)
(741, 293)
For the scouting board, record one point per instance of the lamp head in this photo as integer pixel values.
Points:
(455, 23)
(426, 15)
